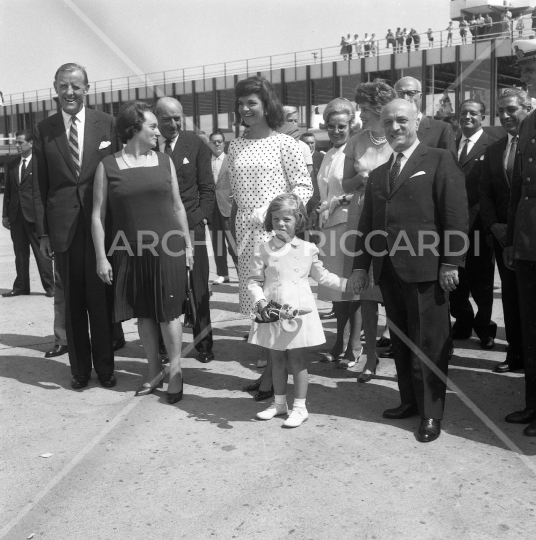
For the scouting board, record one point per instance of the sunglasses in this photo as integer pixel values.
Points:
(340, 127)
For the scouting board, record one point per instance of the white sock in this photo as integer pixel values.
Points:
(299, 403)
(280, 401)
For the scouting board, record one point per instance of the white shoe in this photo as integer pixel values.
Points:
(271, 411)
(261, 362)
(220, 279)
(297, 417)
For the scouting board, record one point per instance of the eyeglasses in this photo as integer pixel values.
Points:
(409, 93)
(333, 127)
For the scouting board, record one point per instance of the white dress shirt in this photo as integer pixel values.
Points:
(406, 155)
(217, 162)
(80, 126)
(472, 140)
(28, 159)
(162, 145)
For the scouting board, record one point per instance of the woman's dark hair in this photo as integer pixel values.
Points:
(130, 119)
(261, 87)
(291, 202)
(376, 93)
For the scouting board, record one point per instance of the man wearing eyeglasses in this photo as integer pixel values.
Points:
(432, 133)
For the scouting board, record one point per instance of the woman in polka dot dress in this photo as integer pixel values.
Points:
(262, 165)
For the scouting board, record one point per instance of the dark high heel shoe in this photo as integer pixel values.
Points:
(366, 377)
(174, 398)
(255, 385)
(149, 387)
(261, 396)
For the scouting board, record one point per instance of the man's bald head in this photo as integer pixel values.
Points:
(168, 111)
(400, 121)
(409, 88)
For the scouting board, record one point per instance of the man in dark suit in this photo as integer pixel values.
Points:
(520, 243)
(191, 157)
(494, 187)
(18, 216)
(432, 133)
(220, 224)
(67, 149)
(477, 277)
(413, 228)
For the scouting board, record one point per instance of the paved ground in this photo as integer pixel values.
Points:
(137, 468)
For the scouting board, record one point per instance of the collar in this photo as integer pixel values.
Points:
(473, 138)
(80, 116)
(28, 159)
(407, 153)
(220, 157)
(510, 137)
(419, 116)
(295, 242)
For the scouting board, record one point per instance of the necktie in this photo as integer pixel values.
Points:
(395, 171)
(167, 149)
(22, 171)
(511, 158)
(463, 155)
(73, 145)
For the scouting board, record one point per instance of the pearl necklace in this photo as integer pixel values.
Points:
(374, 140)
(129, 165)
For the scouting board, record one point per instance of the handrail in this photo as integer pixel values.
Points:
(262, 63)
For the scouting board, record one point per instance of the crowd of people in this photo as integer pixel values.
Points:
(400, 218)
(476, 28)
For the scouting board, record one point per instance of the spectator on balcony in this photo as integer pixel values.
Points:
(416, 38)
(390, 37)
(399, 40)
(507, 15)
(344, 49)
(463, 31)
(349, 46)
(520, 26)
(431, 38)
(373, 45)
(449, 29)
(409, 38)
(488, 25)
(366, 45)
(479, 27)
(473, 28)
(358, 46)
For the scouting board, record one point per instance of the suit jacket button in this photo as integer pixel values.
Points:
(528, 179)
(75, 206)
(533, 141)
(530, 160)
(526, 198)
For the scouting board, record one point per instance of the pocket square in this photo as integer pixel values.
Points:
(481, 158)
(417, 174)
(104, 144)
(185, 161)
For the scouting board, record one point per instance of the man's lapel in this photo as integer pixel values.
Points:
(409, 168)
(90, 139)
(223, 168)
(27, 173)
(499, 162)
(60, 137)
(478, 148)
(179, 152)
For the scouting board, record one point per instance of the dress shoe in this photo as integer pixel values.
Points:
(366, 377)
(401, 412)
(487, 343)
(297, 417)
(461, 334)
(383, 342)
(174, 398)
(526, 416)
(119, 344)
(79, 381)
(220, 280)
(262, 396)
(348, 362)
(107, 381)
(272, 411)
(530, 430)
(57, 350)
(388, 353)
(205, 357)
(49, 293)
(506, 366)
(149, 387)
(255, 385)
(429, 430)
(14, 293)
(325, 316)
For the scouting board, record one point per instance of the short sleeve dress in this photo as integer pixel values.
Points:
(148, 248)
(366, 156)
(259, 170)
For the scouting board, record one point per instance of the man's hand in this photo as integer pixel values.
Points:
(499, 231)
(508, 257)
(448, 277)
(358, 282)
(5, 222)
(46, 249)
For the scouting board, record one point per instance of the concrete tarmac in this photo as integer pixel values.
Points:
(124, 467)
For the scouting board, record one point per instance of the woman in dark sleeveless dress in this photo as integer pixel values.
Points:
(149, 244)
